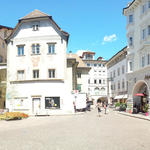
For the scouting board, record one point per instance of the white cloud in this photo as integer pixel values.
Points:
(110, 38)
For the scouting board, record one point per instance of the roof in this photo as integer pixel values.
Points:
(131, 4)
(117, 54)
(88, 52)
(81, 64)
(1, 27)
(36, 14)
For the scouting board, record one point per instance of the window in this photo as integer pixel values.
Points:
(111, 75)
(149, 30)
(148, 59)
(143, 34)
(114, 74)
(143, 61)
(96, 90)
(51, 73)
(100, 81)
(20, 50)
(114, 87)
(123, 69)
(88, 65)
(20, 74)
(89, 81)
(103, 81)
(118, 71)
(118, 85)
(51, 48)
(35, 73)
(95, 81)
(52, 102)
(111, 87)
(79, 75)
(123, 84)
(130, 66)
(89, 57)
(95, 65)
(130, 41)
(35, 49)
(130, 19)
(99, 65)
(35, 27)
(148, 4)
(143, 8)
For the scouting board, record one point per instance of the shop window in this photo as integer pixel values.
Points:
(52, 102)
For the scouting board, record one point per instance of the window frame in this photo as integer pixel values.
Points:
(20, 50)
(35, 49)
(22, 75)
(52, 50)
(51, 73)
(36, 74)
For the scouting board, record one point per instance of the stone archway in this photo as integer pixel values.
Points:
(140, 95)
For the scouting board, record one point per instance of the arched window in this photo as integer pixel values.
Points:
(96, 90)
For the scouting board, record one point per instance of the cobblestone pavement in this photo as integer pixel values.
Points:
(77, 132)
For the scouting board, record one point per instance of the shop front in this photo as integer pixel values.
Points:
(140, 97)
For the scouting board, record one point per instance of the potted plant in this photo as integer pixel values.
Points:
(117, 106)
(146, 107)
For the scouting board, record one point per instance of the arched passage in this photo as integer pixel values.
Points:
(140, 96)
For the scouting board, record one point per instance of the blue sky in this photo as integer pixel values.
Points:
(96, 25)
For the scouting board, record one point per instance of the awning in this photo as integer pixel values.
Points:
(139, 94)
(121, 96)
(125, 96)
(118, 97)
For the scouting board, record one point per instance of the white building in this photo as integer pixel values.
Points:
(97, 79)
(38, 79)
(116, 70)
(138, 58)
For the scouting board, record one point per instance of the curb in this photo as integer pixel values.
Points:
(148, 119)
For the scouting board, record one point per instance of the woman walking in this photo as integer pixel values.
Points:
(99, 107)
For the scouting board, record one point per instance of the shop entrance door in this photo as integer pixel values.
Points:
(36, 105)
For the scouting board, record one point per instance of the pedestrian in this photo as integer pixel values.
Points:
(105, 107)
(99, 107)
(74, 105)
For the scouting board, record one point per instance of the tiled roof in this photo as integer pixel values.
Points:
(5, 27)
(78, 59)
(35, 14)
(38, 14)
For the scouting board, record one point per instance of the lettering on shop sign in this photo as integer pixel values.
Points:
(147, 77)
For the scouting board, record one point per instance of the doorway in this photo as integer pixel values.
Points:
(36, 106)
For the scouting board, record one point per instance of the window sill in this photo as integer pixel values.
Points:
(51, 53)
(20, 55)
(35, 54)
(36, 80)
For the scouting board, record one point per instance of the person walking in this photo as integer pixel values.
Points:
(99, 107)
(105, 107)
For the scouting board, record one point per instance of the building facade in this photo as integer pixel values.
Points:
(138, 58)
(4, 33)
(97, 79)
(117, 83)
(39, 77)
